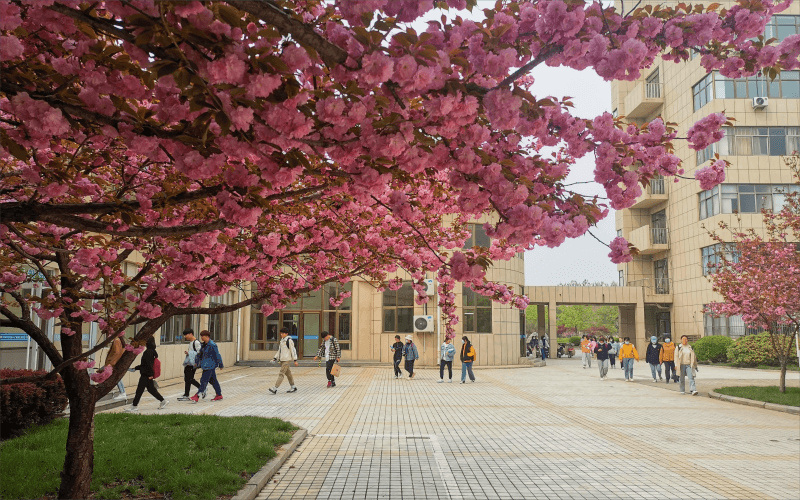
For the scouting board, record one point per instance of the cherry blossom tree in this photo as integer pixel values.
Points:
(293, 143)
(758, 274)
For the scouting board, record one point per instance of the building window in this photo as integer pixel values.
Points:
(398, 309)
(661, 273)
(615, 113)
(221, 325)
(338, 320)
(782, 26)
(702, 91)
(619, 233)
(263, 331)
(652, 89)
(711, 257)
(729, 326)
(477, 237)
(759, 141)
(706, 154)
(744, 198)
(172, 330)
(622, 278)
(477, 312)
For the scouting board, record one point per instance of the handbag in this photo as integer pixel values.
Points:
(336, 369)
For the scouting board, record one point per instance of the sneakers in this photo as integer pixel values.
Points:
(440, 381)
(204, 394)
(195, 398)
(450, 381)
(132, 409)
(273, 390)
(462, 381)
(660, 377)
(218, 397)
(412, 375)
(333, 384)
(163, 404)
(121, 396)
(184, 398)
(293, 389)
(681, 393)
(654, 380)
(329, 384)
(694, 393)
(473, 381)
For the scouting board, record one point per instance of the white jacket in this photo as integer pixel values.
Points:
(286, 353)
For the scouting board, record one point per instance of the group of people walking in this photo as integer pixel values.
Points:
(680, 362)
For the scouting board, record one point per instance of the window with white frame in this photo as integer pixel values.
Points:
(759, 141)
(781, 27)
(711, 256)
(786, 85)
(744, 198)
(221, 325)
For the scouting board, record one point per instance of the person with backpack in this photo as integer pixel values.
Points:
(149, 370)
(210, 360)
(612, 354)
(114, 353)
(286, 354)
(397, 349)
(653, 357)
(468, 357)
(411, 354)
(667, 358)
(627, 354)
(603, 349)
(686, 361)
(332, 353)
(446, 354)
(544, 348)
(190, 364)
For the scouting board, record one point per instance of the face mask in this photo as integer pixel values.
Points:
(666, 340)
(627, 342)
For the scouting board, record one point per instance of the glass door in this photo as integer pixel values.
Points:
(310, 334)
(292, 322)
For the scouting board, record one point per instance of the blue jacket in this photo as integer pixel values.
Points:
(447, 352)
(210, 358)
(410, 352)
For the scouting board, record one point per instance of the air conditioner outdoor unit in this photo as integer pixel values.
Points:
(423, 324)
(760, 102)
(430, 287)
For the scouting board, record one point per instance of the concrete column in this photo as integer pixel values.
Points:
(541, 325)
(641, 330)
(553, 320)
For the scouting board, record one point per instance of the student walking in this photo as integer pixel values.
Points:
(602, 350)
(397, 349)
(653, 357)
(147, 376)
(467, 358)
(210, 360)
(190, 364)
(411, 354)
(627, 354)
(285, 355)
(686, 360)
(667, 357)
(612, 354)
(447, 352)
(586, 353)
(114, 353)
(332, 354)
(545, 347)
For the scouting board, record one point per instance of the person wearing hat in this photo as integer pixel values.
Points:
(653, 357)
(411, 354)
(332, 354)
(210, 360)
(667, 357)
(467, 358)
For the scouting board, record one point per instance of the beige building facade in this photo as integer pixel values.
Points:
(669, 223)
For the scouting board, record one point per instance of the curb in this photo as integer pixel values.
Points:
(260, 479)
(794, 410)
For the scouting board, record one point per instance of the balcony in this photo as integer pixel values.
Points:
(650, 240)
(656, 290)
(644, 100)
(654, 194)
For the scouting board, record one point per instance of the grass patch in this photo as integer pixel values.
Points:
(768, 394)
(791, 367)
(173, 456)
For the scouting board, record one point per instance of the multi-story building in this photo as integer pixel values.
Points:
(669, 223)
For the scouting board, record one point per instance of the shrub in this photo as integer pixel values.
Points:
(712, 348)
(575, 340)
(24, 405)
(754, 350)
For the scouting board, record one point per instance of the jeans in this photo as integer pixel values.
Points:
(686, 372)
(397, 371)
(627, 363)
(466, 366)
(603, 365)
(587, 359)
(209, 375)
(328, 366)
(670, 366)
(286, 369)
(654, 369)
(188, 379)
(410, 366)
(545, 351)
(121, 387)
(449, 365)
(146, 383)
(613, 359)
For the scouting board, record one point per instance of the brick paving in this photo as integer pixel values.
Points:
(554, 432)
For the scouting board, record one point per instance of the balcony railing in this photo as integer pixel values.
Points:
(652, 90)
(657, 186)
(659, 235)
(644, 100)
(653, 286)
(662, 286)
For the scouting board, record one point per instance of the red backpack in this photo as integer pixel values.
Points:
(156, 368)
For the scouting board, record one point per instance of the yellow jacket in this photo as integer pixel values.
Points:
(667, 352)
(628, 351)
(585, 346)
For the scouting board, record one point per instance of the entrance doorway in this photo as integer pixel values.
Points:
(304, 330)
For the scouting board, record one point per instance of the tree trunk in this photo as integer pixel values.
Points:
(76, 478)
(782, 386)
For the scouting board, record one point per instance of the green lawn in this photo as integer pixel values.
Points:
(792, 367)
(769, 394)
(173, 456)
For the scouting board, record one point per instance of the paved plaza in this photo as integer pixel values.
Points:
(554, 432)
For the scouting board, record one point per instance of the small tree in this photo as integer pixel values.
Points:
(758, 275)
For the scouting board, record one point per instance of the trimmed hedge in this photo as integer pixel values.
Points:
(25, 405)
(575, 340)
(754, 350)
(713, 348)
